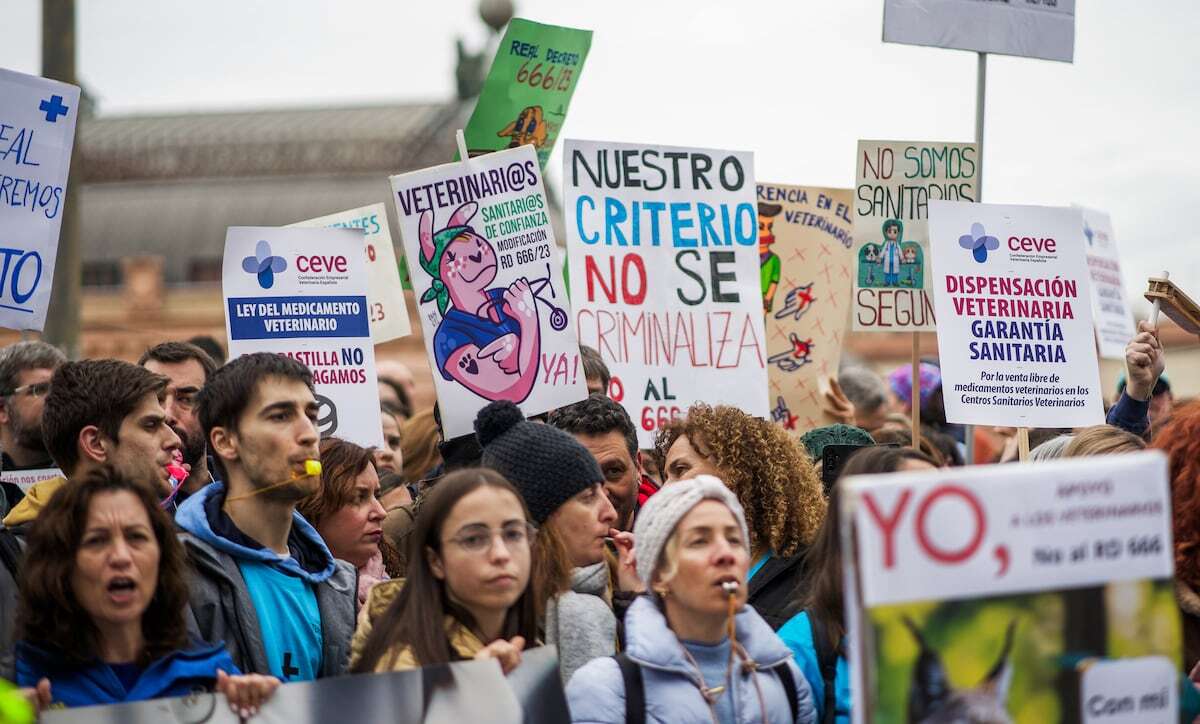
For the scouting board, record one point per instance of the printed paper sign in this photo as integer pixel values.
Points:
(665, 275)
(24, 479)
(386, 309)
(1131, 691)
(528, 89)
(1110, 308)
(302, 293)
(37, 131)
(1031, 28)
(488, 277)
(1015, 334)
(805, 247)
(895, 183)
(990, 589)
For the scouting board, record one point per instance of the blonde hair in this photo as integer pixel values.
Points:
(419, 445)
(1102, 440)
(667, 566)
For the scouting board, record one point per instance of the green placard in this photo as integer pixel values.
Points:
(528, 89)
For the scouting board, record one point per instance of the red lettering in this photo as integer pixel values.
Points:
(887, 525)
(949, 556)
(634, 260)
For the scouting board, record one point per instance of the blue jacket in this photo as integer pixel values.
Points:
(1130, 415)
(797, 634)
(179, 674)
(596, 693)
(221, 607)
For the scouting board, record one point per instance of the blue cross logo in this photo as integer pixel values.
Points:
(54, 108)
(264, 265)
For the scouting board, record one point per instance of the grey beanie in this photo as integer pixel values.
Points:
(657, 519)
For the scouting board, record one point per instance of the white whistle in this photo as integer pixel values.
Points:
(730, 587)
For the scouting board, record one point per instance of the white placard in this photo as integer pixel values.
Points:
(1001, 529)
(1013, 301)
(386, 308)
(24, 479)
(488, 279)
(665, 275)
(1031, 28)
(1110, 308)
(303, 293)
(37, 131)
(1144, 690)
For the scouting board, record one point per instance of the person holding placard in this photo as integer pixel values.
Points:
(469, 567)
(103, 601)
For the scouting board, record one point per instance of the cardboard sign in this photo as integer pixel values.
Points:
(489, 282)
(1110, 308)
(37, 131)
(1031, 28)
(804, 251)
(1015, 335)
(386, 308)
(528, 89)
(458, 692)
(895, 183)
(662, 243)
(303, 293)
(980, 587)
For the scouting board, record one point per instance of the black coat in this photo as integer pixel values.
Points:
(775, 590)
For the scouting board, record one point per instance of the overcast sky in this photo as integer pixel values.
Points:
(795, 81)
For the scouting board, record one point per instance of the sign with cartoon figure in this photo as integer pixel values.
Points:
(386, 308)
(662, 246)
(1012, 593)
(37, 132)
(895, 181)
(1110, 308)
(1015, 335)
(805, 247)
(302, 293)
(484, 263)
(528, 89)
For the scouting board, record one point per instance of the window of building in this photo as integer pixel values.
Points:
(102, 273)
(204, 269)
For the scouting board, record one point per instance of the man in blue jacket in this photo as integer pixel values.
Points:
(265, 582)
(1144, 404)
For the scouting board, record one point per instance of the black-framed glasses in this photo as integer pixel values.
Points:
(479, 539)
(37, 389)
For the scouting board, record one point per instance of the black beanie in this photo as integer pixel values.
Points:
(548, 466)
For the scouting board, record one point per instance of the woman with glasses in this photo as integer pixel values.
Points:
(469, 563)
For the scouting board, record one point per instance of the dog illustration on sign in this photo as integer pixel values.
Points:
(489, 338)
(529, 127)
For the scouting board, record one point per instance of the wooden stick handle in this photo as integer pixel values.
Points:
(1023, 443)
(916, 390)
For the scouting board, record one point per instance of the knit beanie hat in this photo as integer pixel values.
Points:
(901, 381)
(546, 465)
(657, 519)
(815, 440)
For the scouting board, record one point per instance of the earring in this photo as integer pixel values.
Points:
(663, 591)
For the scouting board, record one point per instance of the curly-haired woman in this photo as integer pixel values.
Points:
(101, 618)
(773, 479)
(1180, 440)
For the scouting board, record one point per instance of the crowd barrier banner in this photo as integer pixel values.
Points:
(1019, 593)
(387, 311)
(489, 285)
(1015, 335)
(303, 293)
(528, 89)
(665, 275)
(1110, 307)
(805, 242)
(467, 691)
(37, 132)
(895, 181)
(1030, 28)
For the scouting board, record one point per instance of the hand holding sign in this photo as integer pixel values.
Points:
(1144, 361)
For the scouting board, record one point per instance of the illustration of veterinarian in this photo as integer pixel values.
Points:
(891, 255)
(489, 339)
(768, 260)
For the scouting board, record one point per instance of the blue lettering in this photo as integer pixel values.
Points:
(679, 223)
(707, 215)
(594, 238)
(748, 214)
(614, 213)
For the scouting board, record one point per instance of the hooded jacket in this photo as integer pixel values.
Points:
(596, 694)
(35, 499)
(580, 622)
(221, 606)
(178, 674)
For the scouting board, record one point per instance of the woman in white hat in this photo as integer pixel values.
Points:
(694, 651)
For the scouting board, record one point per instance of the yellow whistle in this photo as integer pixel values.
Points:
(312, 467)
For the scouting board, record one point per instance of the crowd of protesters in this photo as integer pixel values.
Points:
(202, 536)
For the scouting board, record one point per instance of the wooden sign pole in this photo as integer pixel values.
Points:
(916, 390)
(1023, 444)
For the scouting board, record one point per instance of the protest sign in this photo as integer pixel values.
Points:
(446, 694)
(303, 293)
(981, 588)
(1015, 335)
(1030, 28)
(528, 89)
(804, 252)
(1110, 309)
(493, 307)
(665, 275)
(24, 479)
(386, 309)
(895, 182)
(37, 131)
